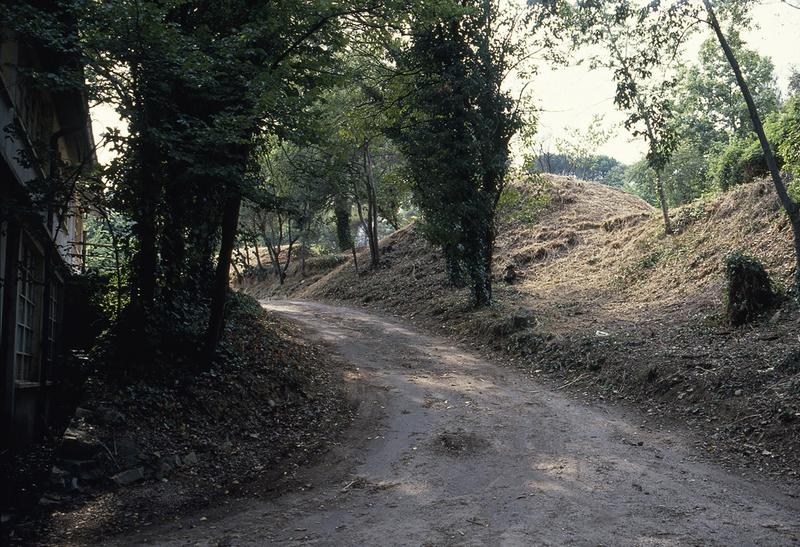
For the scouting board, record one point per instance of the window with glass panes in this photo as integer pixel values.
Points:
(53, 323)
(29, 288)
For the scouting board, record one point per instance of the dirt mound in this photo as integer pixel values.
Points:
(590, 292)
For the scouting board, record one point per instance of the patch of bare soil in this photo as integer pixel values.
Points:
(594, 297)
(142, 453)
(459, 442)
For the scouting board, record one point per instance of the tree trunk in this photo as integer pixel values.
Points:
(355, 258)
(273, 258)
(230, 221)
(248, 262)
(662, 199)
(148, 194)
(237, 273)
(258, 254)
(172, 243)
(274, 246)
(453, 270)
(482, 291)
(361, 222)
(482, 269)
(341, 209)
(789, 205)
(288, 258)
(243, 260)
(481, 282)
(372, 209)
(303, 256)
(146, 258)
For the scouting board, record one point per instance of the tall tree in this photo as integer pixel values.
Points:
(194, 83)
(711, 107)
(789, 205)
(640, 41)
(794, 82)
(454, 126)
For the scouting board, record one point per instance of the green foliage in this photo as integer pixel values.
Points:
(636, 40)
(196, 85)
(599, 168)
(524, 203)
(685, 175)
(716, 147)
(712, 110)
(740, 161)
(615, 176)
(794, 82)
(325, 168)
(749, 290)
(684, 178)
(106, 263)
(454, 128)
(788, 147)
(640, 180)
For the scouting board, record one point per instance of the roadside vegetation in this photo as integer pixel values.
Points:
(593, 298)
(364, 151)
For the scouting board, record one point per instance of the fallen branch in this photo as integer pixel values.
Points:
(745, 418)
(781, 382)
(573, 381)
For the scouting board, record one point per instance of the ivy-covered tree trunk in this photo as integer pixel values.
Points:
(372, 209)
(481, 273)
(452, 264)
(216, 321)
(458, 144)
(481, 269)
(145, 228)
(173, 245)
(341, 210)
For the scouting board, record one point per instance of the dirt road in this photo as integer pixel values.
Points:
(451, 450)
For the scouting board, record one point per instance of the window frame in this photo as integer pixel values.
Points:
(28, 327)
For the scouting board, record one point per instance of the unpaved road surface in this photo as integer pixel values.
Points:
(451, 450)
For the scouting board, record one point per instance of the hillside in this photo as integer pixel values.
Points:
(605, 304)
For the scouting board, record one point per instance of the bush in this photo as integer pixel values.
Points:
(749, 288)
(789, 147)
(525, 202)
(740, 161)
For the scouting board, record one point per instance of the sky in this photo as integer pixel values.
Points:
(569, 97)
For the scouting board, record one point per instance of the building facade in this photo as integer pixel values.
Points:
(46, 140)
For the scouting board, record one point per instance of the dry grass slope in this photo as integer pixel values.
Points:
(605, 302)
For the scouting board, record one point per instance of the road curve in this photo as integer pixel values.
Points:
(449, 449)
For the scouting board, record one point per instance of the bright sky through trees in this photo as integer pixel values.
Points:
(571, 97)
